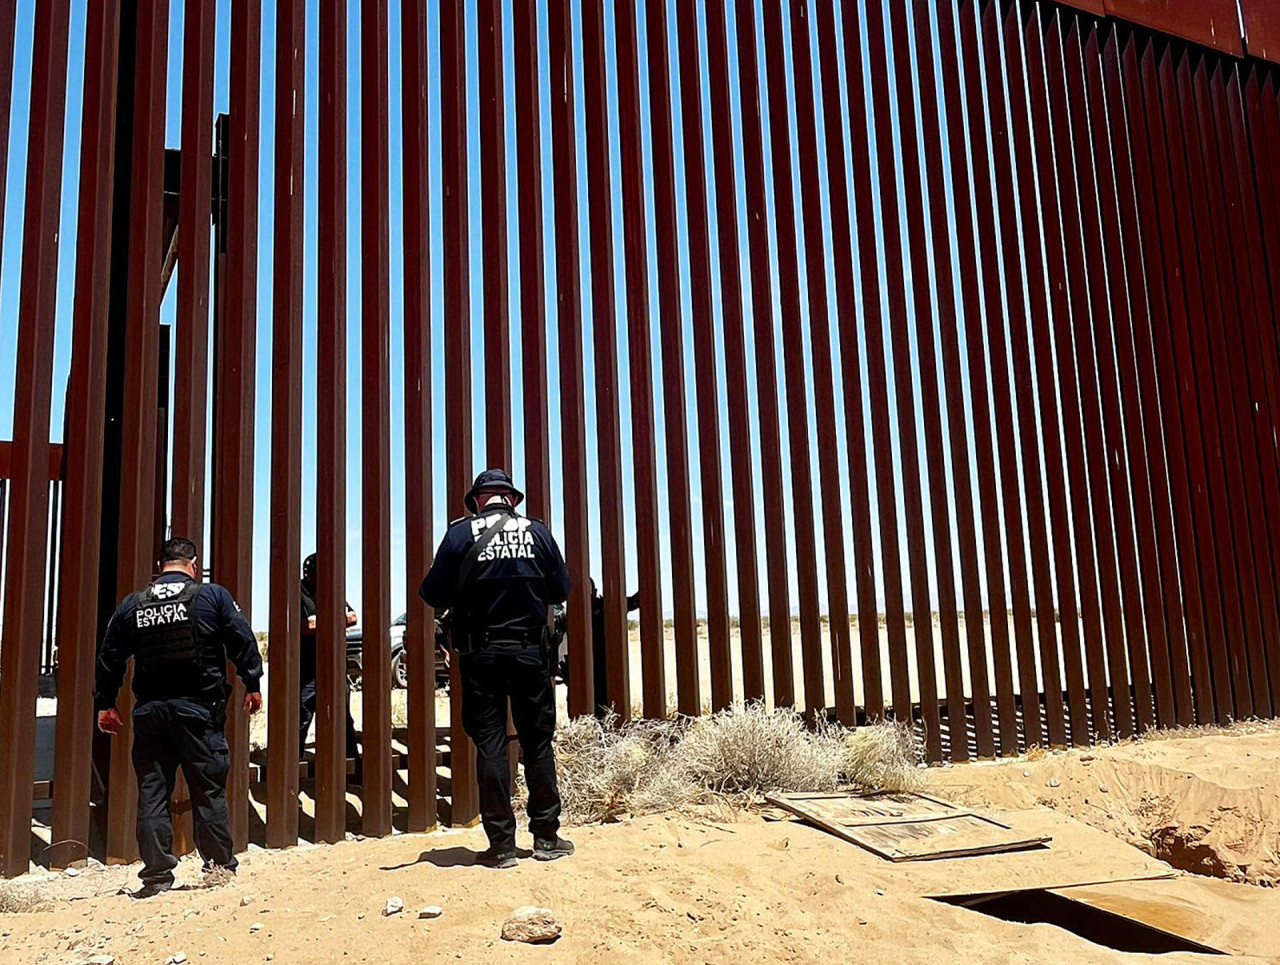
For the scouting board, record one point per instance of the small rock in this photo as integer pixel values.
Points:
(394, 906)
(680, 844)
(246, 901)
(101, 960)
(1054, 782)
(534, 926)
(71, 872)
(257, 926)
(879, 891)
(1086, 759)
(1026, 773)
(178, 958)
(862, 921)
(431, 911)
(1104, 789)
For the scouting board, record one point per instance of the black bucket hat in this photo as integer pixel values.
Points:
(492, 481)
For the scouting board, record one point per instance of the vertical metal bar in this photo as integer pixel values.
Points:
(375, 409)
(236, 374)
(1163, 287)
(141, 371)
(191, 375)
(1148, 477)
(493, 199)
(29, 516)
(533, 323)
(914, 187)
(969, 308)
(284, 639)
(706, 384)
(1264, 137)
(866, 201)
(726, 202)
(1199, 406)
(8, 26)
(640, 362)
(457, 351)
(604, 331)
(671, 340)
(82, 488)
(775, 532)
(420, 626)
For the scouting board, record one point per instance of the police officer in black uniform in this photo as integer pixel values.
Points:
(181, 633)
(307, 670)
(499, 574)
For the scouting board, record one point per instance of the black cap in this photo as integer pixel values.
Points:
(492, 481)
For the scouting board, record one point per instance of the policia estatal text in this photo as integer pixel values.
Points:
(499, 573)
(181, 633)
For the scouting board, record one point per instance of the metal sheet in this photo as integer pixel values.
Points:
(1261, 20)
(1214, 23)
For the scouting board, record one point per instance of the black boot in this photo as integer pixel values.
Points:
(548, 849)
(151, 890)
(497, 856)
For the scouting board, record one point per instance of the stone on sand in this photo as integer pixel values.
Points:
(394, 905)
(531, 925)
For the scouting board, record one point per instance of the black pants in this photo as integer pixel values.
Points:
(168, 734)
(490, 678)
(307, 706)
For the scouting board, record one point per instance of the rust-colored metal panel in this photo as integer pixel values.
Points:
(419, 634)
(234, 428)
(142, 349)
(493, 207)
(190, 384)
(457, 352)
(284, 639)
(8, 24)
(671, 342)
(1164, 300)
(640, 362)
(775, 534)
(706, 382)
(915, 187)
(788, 280)
(1214, 23)
(744, 524)
(865, 199)
(604, 332)
(82, 490)
(29, 497)
(966, 312)
(569, 329)
(1261, 20)
(375, 411)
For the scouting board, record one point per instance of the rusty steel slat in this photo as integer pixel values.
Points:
(1032, 349)
(1163, 287)
(775, 533)
(465, 805)
(1261, 21)
(850, 371)
(286, 436)
(1174, 702)
(493, 206)
(671, 343)
(1258, 330)
(236, 373)
(28, 521)
(375, 418)
(1245, 393)
(706, 383)
(1065, 266)
(1213, 23)
(1139, 574)
(82, 484)
(1264, 126)
(138, 462)
(190, 383)
(968, 307)
(604, 331)
(815, 263)
(569, 330)
(419, 634)
(996, 191)
(1087, 286)
(726, 202)
(1198, 406)
(866, 199)
(1230, 666)
(640, 362)
(533, 324)
(8, 26)
(914, 186)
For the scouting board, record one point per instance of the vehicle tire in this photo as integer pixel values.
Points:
(400, 671)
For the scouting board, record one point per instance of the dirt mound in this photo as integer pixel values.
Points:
(1208, 804)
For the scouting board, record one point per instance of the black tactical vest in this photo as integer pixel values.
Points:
(169, 659)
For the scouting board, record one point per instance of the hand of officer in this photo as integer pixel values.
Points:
(109, 721)
(252, 703)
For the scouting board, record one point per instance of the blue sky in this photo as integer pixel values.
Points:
(825, 464)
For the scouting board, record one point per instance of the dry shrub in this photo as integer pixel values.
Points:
(882, 756)
(20, 899)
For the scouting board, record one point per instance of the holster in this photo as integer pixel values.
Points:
(548, 647)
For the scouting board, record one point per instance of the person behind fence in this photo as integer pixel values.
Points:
(600, 648)
(180, 634)
(499, 573)
(307, 670)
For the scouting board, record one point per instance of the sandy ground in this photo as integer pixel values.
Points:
(1209, 804)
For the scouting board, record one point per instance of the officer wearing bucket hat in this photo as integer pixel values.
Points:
(499, 573)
